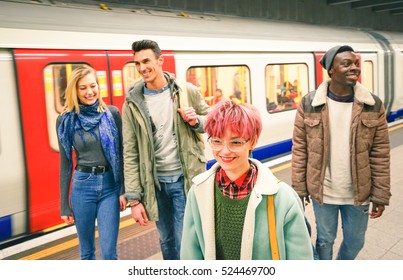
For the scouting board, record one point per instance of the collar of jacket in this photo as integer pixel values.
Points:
(135, 93)
(266, 182)
(360, 93)
(173, 85)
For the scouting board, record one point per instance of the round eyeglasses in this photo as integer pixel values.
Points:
(232, 145)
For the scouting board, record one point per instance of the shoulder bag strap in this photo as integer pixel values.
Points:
(271, 220)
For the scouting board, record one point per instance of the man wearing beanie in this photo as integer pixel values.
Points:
(341, 155)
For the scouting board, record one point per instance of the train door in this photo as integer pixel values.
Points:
(320, 73)
(369, 70)
(123, 75)
(13, 208)
(41, 76)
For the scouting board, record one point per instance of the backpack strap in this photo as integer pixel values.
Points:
(183, 95)
(271, 220)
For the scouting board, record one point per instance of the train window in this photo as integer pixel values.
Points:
(55, 79)
(130, 76)
(285, 84)
(221, 82)
(367, 75)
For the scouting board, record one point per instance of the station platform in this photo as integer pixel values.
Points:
(384, 237)
(135, 243)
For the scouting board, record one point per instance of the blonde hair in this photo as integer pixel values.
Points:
(71, 95)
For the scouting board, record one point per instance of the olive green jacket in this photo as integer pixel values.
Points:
(138, 147)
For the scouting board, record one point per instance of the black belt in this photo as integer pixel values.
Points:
(93, 169)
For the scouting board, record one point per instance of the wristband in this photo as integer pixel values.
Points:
(133, 203)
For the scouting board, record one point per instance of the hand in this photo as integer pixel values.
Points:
(376, 210)
(139, 214)
(68, 219)
(305, 201)
(122, 202)
(188, 115)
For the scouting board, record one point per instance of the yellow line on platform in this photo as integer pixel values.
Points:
(281, 167)
(395, 127)
(67, 245)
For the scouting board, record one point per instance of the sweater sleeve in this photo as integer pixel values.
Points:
(65, 177)
(299, 154)
(380, 162)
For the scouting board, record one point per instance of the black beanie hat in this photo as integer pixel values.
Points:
(327, 59)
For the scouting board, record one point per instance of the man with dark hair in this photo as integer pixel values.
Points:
(162, 152)
(341, 155)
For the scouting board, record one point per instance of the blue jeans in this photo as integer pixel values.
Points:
(354, 220)
(96, 198)
(171, 208)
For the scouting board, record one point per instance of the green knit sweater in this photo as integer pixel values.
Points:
(229, 220)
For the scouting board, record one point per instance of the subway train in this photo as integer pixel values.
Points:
(270, 64)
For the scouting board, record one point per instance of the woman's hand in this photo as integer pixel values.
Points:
(122, 202)
(68, 219)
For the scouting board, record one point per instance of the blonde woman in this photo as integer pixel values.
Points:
(92, 131)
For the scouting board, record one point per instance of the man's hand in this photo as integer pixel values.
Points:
(376, 210)
(305, 200)
(139, 214)
(188, 115)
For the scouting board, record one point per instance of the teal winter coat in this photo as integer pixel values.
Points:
(198, 237)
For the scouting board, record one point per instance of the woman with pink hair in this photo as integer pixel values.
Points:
(226, 215)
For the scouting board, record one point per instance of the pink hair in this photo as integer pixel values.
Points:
(240, 119)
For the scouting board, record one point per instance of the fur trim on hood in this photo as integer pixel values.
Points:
(360, 93)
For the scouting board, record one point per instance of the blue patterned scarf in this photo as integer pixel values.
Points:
(88, 119)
